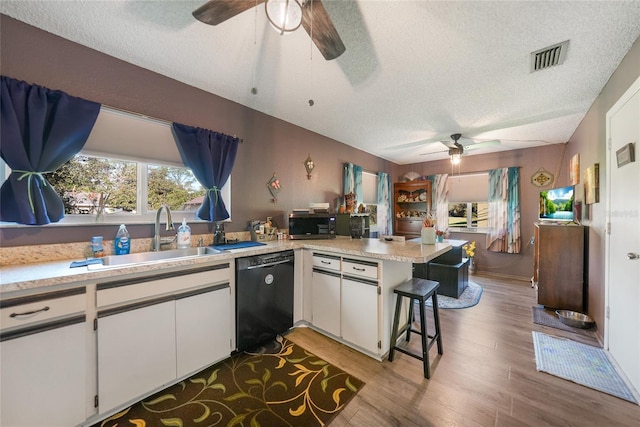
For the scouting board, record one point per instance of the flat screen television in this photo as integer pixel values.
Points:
(557, 204)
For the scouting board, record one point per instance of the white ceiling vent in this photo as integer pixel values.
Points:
(549, 56)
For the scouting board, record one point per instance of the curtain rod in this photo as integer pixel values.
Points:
(143, 116)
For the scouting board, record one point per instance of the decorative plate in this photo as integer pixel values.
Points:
(412, 176)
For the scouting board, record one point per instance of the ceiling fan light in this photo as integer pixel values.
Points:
(455, 159)
(284, 15)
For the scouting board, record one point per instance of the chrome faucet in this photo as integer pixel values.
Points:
(158, 241)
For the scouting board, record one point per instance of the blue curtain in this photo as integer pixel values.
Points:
(504, 210)
(211, 156)
(385, 215)
(353, 181)
(42, 129)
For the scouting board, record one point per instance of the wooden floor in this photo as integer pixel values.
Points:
(486, 377)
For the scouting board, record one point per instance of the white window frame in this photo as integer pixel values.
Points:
(473, 190)
(144, 216)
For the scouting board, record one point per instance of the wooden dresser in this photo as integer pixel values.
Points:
(559, 266)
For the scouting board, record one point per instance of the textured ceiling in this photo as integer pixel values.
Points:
(413, 71)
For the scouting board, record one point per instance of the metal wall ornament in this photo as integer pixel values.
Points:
(309, 165)
(542, 178)
(274, 187)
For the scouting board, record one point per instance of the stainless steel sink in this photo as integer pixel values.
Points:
(146, 257)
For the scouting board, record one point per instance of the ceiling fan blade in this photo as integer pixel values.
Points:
(318, 25)
(482, 144)
(215, 12)
(434, 152)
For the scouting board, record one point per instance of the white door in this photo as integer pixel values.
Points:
(203, 330)
(325, 306)
(359, 313)
(43, 378)
(622, 331)
(136, 353)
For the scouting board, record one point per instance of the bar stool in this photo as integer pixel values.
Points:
(417, 289)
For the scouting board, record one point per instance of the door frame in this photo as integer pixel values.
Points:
(628, 94)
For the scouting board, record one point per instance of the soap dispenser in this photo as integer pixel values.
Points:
(122, 243)
(184, 235)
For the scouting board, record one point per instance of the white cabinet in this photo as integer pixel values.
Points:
(359, 313)
(43, 354)
(203, 334)
(136, 353)
(325, 288)
(155, 330)
(345, 300)
(351, 298)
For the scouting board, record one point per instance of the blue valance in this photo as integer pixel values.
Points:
(41, 130)
(211, 156)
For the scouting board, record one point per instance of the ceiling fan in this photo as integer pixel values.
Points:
(457, 149)
(285, 16)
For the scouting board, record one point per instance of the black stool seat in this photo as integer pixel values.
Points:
(417, 289)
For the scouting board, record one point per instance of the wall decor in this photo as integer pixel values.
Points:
(309, 165)
(626, 154)
(574, 170)
(542, 178)
(592, 184)
(274, 187)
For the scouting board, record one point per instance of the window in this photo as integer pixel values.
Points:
(468, 201)
(468, 215)
(369, 188)
(129, 166)
(110, 188)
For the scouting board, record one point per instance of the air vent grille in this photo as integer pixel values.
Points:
(549, 56)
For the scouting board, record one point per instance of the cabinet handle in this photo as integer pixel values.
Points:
(325, 262)
(359, 269)
(26, 313)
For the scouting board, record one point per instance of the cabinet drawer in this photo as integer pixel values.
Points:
(409, 225)
(354, 267)
(124, 292)
(27, 310)
(327, 262)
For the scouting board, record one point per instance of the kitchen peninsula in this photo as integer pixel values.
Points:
(159, 311)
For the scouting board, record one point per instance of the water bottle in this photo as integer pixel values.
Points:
(122, 244)
(184, 235)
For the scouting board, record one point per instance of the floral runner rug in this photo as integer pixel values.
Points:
(281, 384)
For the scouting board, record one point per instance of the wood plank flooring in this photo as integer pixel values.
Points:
(486, 377)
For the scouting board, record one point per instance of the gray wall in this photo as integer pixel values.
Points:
(589, 141)
(270, 145)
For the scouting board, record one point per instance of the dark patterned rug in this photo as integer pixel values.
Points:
(280, 384)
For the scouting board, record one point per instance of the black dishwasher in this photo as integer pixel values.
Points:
(264, 298)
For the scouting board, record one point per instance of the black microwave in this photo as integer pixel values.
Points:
(312, 225)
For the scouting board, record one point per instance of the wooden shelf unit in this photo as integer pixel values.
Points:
(411, 201)
(559, 266)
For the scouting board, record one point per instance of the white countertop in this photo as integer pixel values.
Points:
(32, 276)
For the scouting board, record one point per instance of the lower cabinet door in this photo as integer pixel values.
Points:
(136, 353)
(360, 313)
(43, 378)
(203, 330)
(325, 306)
